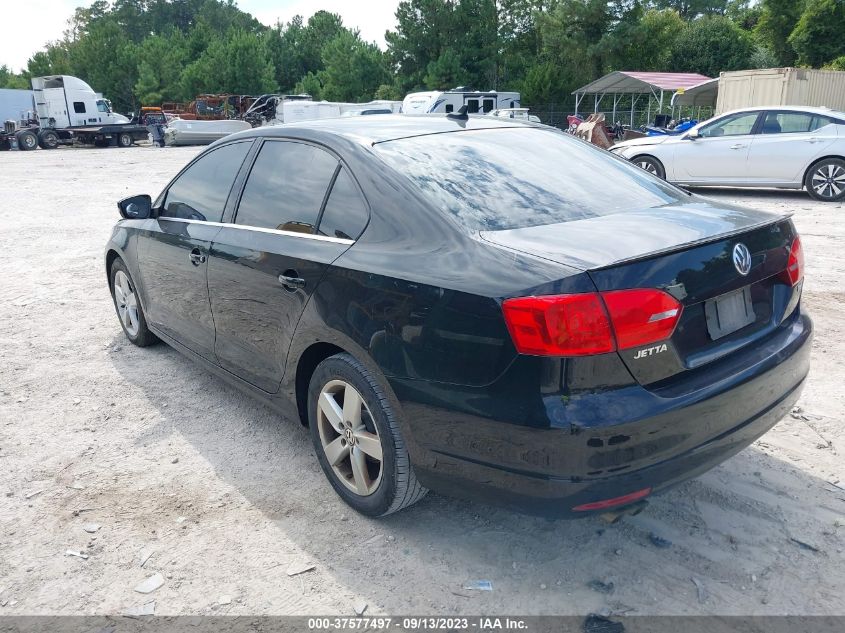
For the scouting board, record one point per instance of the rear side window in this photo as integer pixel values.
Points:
(79, 107)
(200, 193)
(518, 177)
(286, 187)
(346, 212)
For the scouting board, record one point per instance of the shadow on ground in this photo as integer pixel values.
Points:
(694, 550)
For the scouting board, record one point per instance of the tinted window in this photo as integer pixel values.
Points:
(79, 107)
(472, 106)
(820, 121)
(286, 187)
(201, 191)
(346, 212)
(733, 125)
(517, 177)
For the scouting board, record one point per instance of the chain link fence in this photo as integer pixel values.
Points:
(555, 114)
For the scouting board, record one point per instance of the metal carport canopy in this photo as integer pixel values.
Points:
(635, 82)
(703, 94)
(628, 82)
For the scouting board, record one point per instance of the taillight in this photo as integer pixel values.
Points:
(641, 316)
(795, 264)
(590, 323)
(559, 325)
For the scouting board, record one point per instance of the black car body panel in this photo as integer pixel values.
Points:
(417, 299)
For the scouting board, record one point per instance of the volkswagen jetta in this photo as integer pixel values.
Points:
(478, 306)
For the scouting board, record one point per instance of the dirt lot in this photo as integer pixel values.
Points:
(221, 497)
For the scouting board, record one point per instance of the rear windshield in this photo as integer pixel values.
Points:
(512, 178)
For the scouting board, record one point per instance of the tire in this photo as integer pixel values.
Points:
(129, 310)
(124, 140)
(825, 180)
(651, 165)
(48, 139)
(386, 486)
(27, 140)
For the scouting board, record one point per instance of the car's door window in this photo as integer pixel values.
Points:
(734, 125)
(345, 215)
(201, 191)
(286, 187)
(786, 123)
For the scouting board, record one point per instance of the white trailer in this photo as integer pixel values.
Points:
(306, 110)
(68, 109)
(453, 100)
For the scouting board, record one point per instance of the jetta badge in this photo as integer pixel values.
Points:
(742, 259)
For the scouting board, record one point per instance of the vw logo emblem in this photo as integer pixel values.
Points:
(742, 259)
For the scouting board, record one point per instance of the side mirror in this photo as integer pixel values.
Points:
(693, 135)
(136, 207)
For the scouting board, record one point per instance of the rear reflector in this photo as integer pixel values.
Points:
(795, 265)
(590, 323)
(612, 503)
(559, 325)
(641, 316)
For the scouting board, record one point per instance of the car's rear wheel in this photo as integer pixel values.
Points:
(826, 180)
(651, 165)
(128, 307)
(357, 439)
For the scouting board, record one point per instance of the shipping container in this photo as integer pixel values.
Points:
(781, 86)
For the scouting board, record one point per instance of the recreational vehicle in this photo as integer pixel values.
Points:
(453, 100)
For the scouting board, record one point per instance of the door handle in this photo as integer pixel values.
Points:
(290, 280)
(813, 139)
(196, 257)
(738, 146)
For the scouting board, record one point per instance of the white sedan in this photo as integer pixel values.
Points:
(785, 146)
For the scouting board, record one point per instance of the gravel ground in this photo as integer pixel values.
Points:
(148, 465)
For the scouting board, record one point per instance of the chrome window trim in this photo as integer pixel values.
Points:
(229, 225)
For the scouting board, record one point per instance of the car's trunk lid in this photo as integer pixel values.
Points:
(686, 250)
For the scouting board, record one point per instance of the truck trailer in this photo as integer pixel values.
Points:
(66, 109)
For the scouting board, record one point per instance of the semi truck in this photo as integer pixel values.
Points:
(66, 109)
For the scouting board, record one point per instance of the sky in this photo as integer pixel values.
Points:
(371, 17)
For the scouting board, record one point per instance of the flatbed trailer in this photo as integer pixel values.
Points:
(33, 136)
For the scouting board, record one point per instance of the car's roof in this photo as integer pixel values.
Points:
(789, 108)
(386, 127)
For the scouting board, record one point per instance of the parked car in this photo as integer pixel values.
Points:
(783, 146)
(475, 305)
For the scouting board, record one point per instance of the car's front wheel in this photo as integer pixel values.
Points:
(357, 439)
(651, 165)
(128, 307)
(825, 180)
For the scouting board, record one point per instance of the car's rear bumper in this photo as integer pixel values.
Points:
(552, 470)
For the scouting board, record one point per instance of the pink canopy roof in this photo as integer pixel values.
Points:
(622, 81)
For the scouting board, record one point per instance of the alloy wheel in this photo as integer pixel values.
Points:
(127, 303)
(349, 437)
(828, 180)
(649, 166)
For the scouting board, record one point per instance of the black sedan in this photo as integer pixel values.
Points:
(476, 306)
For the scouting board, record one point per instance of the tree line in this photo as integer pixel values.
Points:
(145, 52)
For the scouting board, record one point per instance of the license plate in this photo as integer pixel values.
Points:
(728, 313)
